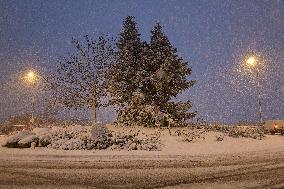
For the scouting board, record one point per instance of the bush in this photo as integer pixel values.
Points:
(135, 140)
(191, 134)
(239, 131)
(80, 137)
(21, 139)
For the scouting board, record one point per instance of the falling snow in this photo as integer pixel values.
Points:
(214, 37)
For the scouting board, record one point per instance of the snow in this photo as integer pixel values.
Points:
(172, 147)
(202, 159)
(229, 146)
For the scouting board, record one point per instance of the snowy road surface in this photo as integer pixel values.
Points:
(259, 170)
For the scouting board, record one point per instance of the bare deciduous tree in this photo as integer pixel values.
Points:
(81, 77)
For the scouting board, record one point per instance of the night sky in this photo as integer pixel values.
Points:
(215, 37)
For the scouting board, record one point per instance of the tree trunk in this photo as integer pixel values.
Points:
(94, 115)
(98, 130)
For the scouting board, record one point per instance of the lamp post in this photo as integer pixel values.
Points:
(251, 62)
(31, 78)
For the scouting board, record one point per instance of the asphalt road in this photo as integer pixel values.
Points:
(224, 172)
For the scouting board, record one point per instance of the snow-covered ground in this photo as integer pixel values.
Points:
(171, 146)
(231, 163)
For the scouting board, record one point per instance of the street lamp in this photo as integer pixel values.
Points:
(31, 77)
(252, 62)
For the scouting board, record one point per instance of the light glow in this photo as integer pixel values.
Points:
(251, 61)
(31, 77)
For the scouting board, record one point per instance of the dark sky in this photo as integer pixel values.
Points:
(213, 36)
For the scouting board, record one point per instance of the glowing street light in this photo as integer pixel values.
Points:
(31, 77)
(252, 62)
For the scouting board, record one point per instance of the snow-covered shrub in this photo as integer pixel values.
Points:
(135, 140)
(68, 144)
(41, 131)
(191, 135)
(43, 135)
(126, 140)
(232, 131)
(80, 137)
(44, 140)
(72, 138)
(99, 132)
(68, 138)
(219, 137)
(27, 141)
(24, 136)
(249, 132)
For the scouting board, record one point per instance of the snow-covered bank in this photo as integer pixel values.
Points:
(172, 147)
(229, 145)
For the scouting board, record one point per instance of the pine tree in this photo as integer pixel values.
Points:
(128, 75)
(125, 75)
(80, 80)
(146, 77)
(170, 74)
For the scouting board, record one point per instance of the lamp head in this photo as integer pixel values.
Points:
(251, 61)
(31, 77)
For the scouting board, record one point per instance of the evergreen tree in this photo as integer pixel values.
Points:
(170, 74)
(146, 77)
(80, 80)
(125, 77)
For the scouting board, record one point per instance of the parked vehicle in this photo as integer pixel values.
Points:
(274, 126)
